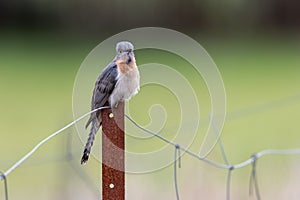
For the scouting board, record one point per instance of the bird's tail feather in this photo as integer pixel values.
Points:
(89, 121)
(89, 143)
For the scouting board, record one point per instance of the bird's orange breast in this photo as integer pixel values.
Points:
(123, 67)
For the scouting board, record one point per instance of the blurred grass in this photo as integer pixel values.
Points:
(37, 72)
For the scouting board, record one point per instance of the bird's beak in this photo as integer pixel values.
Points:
(130, 57)
(130, 53)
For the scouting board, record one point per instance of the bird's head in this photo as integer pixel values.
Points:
(125, 51)
(124, 47)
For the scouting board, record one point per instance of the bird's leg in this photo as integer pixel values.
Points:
(117, 104)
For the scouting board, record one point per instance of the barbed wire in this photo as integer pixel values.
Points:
(177, 156)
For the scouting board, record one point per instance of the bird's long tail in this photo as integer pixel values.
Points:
(96, 123)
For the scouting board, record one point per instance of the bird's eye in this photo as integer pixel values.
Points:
(120, 51)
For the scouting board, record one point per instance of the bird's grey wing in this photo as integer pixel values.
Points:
(104, 86)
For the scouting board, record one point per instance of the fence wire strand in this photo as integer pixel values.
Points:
(228, 183)
(73, 162)
(253, 179)
(3, 177)
(252, 160)
(24, 158)
(224, 156)
(177, 157)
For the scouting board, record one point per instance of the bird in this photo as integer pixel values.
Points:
(119, 81)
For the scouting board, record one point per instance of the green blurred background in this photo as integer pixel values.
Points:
(255, 44)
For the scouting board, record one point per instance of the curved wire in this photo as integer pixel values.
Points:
(178, 148)
(19, 162)
(3, 177)
(177, 151)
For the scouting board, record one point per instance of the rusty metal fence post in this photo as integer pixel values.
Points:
(113, 155)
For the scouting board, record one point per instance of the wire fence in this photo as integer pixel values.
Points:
(178, 152)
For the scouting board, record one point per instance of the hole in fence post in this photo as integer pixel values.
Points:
(111, 185)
